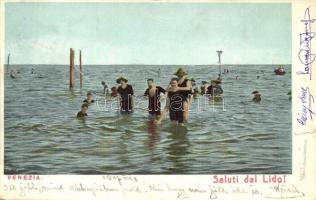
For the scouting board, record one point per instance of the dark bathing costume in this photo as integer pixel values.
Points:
(153, 102)
(86, 101)
(81, 114)
(214, 90)
(186, 93)
(126, 98)
(210, 90)
(176, 106)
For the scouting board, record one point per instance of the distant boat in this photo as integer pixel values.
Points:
(279, 71)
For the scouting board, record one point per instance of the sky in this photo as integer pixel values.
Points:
(148, 33)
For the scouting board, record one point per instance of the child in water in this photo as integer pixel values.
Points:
(257, 96)
(89, 98)
(105, 88)
(83, 112)
(113, 92)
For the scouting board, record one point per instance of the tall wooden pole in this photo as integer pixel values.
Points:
(219, 61)
(81, 76)
(72, 69)
(8, 63)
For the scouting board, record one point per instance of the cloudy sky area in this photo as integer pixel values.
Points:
(152, 33)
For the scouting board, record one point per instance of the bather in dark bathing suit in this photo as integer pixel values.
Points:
(126, 97)
(154, 101)
(86, 101)
(186, 93)
(80, 114)
(176, 106)
(214, 90)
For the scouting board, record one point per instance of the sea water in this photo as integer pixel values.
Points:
(43, 136)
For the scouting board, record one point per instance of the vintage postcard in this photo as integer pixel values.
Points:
(158, 100)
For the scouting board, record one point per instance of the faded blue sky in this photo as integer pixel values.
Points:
(148, 33)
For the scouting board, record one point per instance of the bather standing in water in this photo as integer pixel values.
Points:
(89, 98)
(126, 95)
(196, 92)
(215, 89)
(185, 88)
(13, 74)
(204, 87)
(153, 93)
(83, 112)
(113, 91)
(290, 94)
(174, 104)
(105, 88)
(219, 77)
(195, 89)
(256, 96)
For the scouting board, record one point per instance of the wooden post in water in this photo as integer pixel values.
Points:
(81, 75)
(72, 69)
(219, 61)
(8, 63)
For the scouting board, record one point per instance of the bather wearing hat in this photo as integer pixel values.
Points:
(126, 95)
(184, 84)
(185, 88)
(122, 78)
(256, 96)
(215, 88)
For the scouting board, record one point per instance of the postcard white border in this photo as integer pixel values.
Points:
(299, 185)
